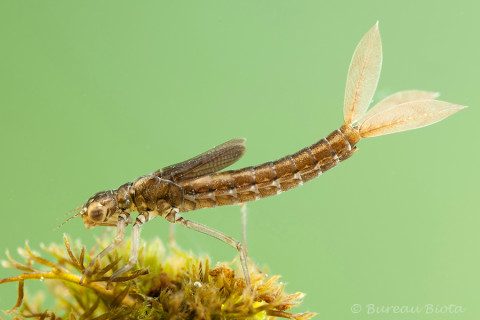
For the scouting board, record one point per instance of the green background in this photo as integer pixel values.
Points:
(97, 93)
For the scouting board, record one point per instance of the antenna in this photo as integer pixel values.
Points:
(74, 216)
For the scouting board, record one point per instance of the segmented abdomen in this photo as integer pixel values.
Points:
(271, 178)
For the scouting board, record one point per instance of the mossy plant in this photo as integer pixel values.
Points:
(174, 286)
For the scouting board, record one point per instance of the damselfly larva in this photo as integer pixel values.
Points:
(198, 183)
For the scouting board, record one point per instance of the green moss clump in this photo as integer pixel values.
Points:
(174, 286)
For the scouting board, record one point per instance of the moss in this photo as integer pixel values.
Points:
(174, 286)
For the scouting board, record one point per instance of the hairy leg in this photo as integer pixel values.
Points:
(122, 222)
(171, 236)
(134, 247)
(243, 208)
(222, 237)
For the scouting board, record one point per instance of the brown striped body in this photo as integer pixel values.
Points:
(164, 194)
(271, 178)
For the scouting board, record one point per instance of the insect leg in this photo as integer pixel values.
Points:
(222, 237)
(122, 222)
(171, 235)
(134, 247)
(243, 208)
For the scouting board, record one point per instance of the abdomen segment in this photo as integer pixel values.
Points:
(271, 178)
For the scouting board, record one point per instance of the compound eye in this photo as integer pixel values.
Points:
(97, 212)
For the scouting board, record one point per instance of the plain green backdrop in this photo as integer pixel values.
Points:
(96, 93)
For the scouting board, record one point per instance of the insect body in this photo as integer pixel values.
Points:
(270, 178)
(199, 182)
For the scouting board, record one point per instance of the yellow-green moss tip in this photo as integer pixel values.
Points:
(177, 286)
